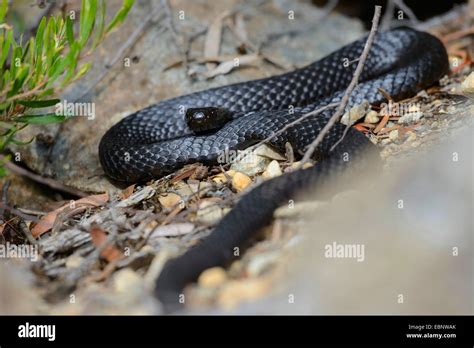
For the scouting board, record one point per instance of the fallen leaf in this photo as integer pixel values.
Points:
(127, 192)
(228, 66)
(47, 221)
(212, 42)
(382, 123)
(99, 237)
(185, 173)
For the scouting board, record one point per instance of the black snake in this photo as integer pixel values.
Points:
(157, 140)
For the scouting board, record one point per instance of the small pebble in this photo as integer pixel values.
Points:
(209, 213)
(234, 292)
(74, 261)
(467, 86)
(222, 178)
(372, 117)
(126, 280)
(251, 164)
(355, 113)
(240, 181)
(267, 151)
(182, 189)
(169, 200)
(272, 170)
(393, 135)
(411, 136)
(261, 262)
(413, 115)
(212, 277)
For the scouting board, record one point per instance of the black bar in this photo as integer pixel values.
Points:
(290, 330)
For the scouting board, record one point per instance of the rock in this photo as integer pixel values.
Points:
(169, 200)
(343, 196)
(267, 151)
(223, 178)
(234, 292)
(240, 181)
(182, 189)
(393, 135)
(203, 187)
(413, 115)
(212, 277)
(261, 262)
(74, 261)
(126, 281)
(251, 164)
(193, 185)
(296, 209)
(355, 113)
(371, 117)
(272, 170)
(209, 213)
(411, 136)
(467, 86)
(373, 139)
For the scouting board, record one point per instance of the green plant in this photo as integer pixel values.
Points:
(32, 72)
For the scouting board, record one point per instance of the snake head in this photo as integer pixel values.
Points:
(204, 119)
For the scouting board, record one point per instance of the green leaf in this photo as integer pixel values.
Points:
(6, 47)
(3, 171)
(3, 9)
(61, 64)
(100, 25)
(41, 119)
(6, 79)
(15, 64)
(82, 70)
(19, 81)
(40, 39)
(8, 137)
(46, 92)
(88, 12)
(49, 43)
(19, 142)
(38, 103)
(4, 124)
(4, 106)
(121, 14)
(70, 30)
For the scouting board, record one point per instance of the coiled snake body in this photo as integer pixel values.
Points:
(156, 141)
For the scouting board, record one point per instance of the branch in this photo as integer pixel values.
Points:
(46, 181)
(411, 15)
(345, 99)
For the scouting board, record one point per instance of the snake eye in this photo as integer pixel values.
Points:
(207, 118)
(198, 116)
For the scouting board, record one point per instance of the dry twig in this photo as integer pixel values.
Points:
(355, 79)
(46, 181)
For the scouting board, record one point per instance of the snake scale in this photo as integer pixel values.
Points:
(157, 140)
